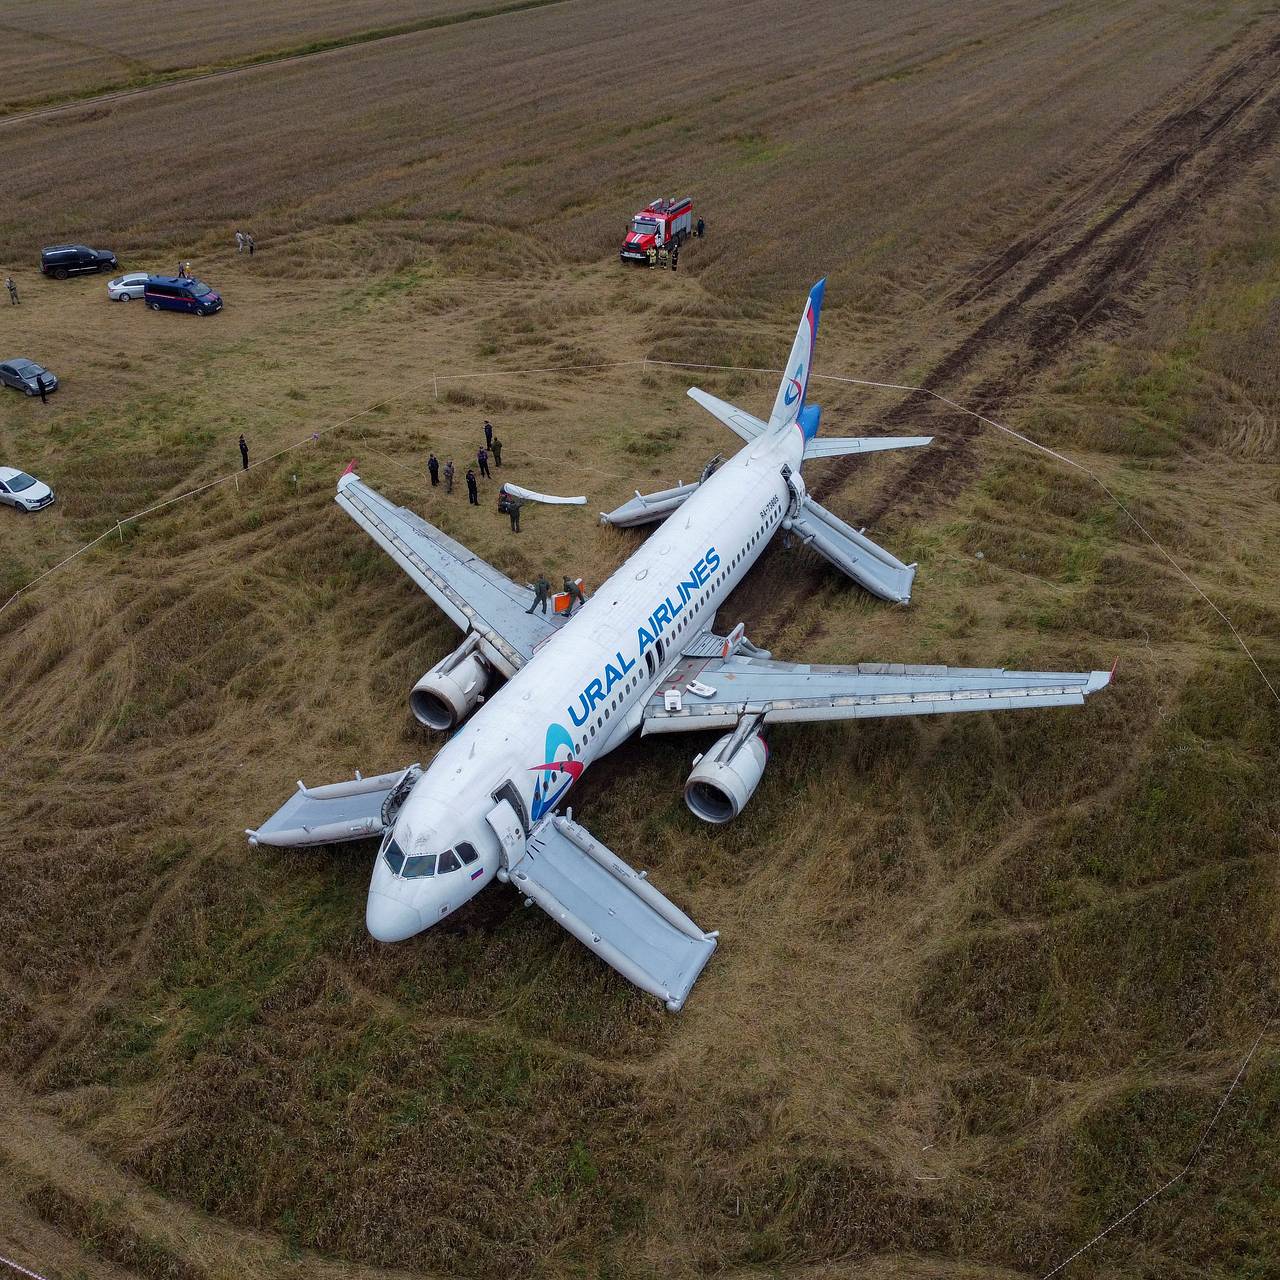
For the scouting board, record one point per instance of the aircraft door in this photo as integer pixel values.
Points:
(508, 828)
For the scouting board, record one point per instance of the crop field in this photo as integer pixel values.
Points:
(984, 981)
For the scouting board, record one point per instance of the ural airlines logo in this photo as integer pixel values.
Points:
(549, 787)
(664, 616)
(795, 390)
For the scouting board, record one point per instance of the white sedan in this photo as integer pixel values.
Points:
(17, 489)
(126, 287)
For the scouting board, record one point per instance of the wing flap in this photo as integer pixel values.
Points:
(793, 692)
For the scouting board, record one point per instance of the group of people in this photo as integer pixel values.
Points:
(542, 588)
(669, 254)
(244, 242)
(492, 448)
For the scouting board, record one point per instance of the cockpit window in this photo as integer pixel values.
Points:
(422, 865)
(449, 862)
(467, 854)
(394, 856)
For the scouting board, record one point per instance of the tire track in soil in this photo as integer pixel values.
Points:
(1085, 268)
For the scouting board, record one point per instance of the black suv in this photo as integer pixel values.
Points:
(63, 260)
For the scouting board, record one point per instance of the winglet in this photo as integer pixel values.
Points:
(1114, 665)
(350, 468)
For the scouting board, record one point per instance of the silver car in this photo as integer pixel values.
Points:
(127, 287)
(21, 375)
(17, 489)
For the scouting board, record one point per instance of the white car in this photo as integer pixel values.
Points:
(127, 287)
(25, 492)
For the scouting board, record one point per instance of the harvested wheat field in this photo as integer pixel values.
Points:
(984, 982)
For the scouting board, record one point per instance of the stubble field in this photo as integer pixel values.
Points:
(982, 983)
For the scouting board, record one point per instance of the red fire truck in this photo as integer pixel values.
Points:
(658, 225)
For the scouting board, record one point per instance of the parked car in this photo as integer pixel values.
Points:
(63, 260)
(127, 287)
(21, 375)
(17, 489)
(181, 293)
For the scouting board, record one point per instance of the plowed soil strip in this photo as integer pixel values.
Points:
(1081, 269)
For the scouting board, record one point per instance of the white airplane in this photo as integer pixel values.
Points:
(641, 655)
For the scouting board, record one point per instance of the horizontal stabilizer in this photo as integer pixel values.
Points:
(836, 446)
(734, 418)
(869, 565)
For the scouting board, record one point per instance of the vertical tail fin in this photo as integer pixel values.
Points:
(795, 382)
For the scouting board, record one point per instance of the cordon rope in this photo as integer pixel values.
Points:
(19, 1268)
(436, 379)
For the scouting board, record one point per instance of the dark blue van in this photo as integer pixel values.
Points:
(181, 293)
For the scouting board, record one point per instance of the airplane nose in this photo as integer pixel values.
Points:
(389, 920)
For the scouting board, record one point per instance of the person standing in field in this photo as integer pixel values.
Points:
(497, 451)
(702, 228)
(488, 434)
(433, 470)
(244, 454)
(472, 497)
(448, 476)
(44, 399)
(14, 300)
(513, 510)
(653, 257)
(248, 239)
(239, 241)
(664, 256)
(675, 257)
(483, 459)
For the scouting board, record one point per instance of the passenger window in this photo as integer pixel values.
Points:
(448, 862)
(467, 854)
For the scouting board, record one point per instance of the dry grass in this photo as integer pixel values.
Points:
(981, 982)
(79, 48)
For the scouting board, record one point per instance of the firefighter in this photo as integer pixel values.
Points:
(540, 589)
(653, 257)
(664, 256)
(574, 592)
(675, 257)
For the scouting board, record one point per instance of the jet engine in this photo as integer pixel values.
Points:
(725, 778)
(452, 689)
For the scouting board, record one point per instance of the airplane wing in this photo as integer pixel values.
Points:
(469, 590)
(716, 692)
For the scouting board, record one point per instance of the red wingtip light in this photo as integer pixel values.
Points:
(1114, 665)
(350, 468)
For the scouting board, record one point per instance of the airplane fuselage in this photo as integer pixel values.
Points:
(584, 690)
